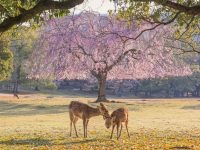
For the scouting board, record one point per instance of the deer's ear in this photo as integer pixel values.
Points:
(102, 105)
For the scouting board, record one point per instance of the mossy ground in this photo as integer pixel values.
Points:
(40, 121)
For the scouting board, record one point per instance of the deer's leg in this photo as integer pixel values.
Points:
(71, 118)
(120, 131)
(113, 127)
(126, 124)
(70, 133)
(74, 122)
(86, 126)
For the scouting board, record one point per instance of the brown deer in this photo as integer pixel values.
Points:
(16, 95)
(78, 110)
(116, 119)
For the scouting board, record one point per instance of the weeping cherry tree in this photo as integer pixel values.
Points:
(93, 46)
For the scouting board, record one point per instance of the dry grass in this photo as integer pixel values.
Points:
(40, 121)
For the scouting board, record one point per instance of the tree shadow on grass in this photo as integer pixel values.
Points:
(181, 147)
(79, 142)
(14, 109)
(31, 141)
(194, 107)
(41, 142)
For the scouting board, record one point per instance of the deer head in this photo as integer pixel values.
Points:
(109, 121)
(103, 110)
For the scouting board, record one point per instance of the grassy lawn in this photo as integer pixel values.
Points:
(40, 121)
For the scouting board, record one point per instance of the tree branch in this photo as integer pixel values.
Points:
(120, 58)
(189, 49)
(157, 24)
(193, 10)
(41, 6)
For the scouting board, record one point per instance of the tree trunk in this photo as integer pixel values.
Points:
(198, 93)
(101, 88)
(167, 93)
(15, 88)
(182, 94)
(146, 94)
(17, 80)
(37, 86)
(187, 93)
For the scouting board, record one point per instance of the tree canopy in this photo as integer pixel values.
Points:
(190, 7)
(165, 10)
(19, 11)
(183, 14)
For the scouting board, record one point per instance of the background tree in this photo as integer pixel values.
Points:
(194, 60)
(167, 87)
(22, 45)
(5, 61)
(90, 45)
(17, 46)
(187, 86)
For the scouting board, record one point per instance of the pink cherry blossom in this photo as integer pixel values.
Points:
(90, 45)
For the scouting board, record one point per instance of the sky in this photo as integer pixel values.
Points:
(101, 6)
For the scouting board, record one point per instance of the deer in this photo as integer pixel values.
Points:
(16, 95)
(79, 110)
(117, 117)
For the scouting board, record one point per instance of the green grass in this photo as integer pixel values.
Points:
(40, 121)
